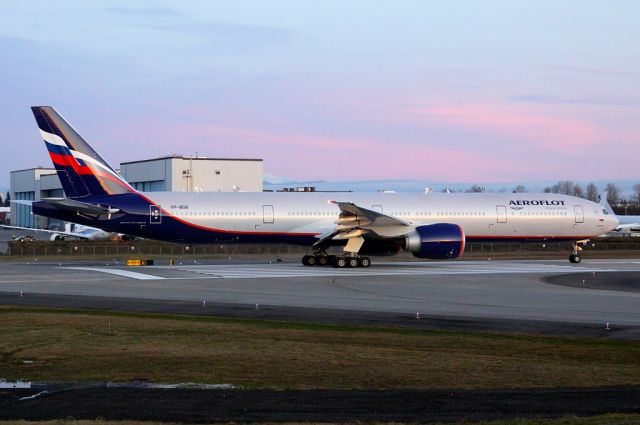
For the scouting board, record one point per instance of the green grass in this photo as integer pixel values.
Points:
(78, 345)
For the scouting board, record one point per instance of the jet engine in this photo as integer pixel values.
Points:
(56, 237)
(440, 241)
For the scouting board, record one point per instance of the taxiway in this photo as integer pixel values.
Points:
(544, 296)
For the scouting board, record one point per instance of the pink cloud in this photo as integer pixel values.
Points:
(312, 156)
(474, 143)
(552, 133)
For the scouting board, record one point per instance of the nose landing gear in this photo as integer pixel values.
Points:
(576, 247)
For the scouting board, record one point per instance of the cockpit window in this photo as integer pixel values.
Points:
(605, 212)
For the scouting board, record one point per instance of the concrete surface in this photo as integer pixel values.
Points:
(500, 294)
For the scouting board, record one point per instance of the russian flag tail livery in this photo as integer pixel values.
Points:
(81, 170)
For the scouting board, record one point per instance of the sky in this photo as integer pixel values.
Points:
(456, 91)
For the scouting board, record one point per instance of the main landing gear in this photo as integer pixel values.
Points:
(338, 261)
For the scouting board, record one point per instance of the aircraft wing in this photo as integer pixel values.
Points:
(364, 216)
(355, 222)
(633, 227)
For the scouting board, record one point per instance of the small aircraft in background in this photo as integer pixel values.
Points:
(629, 223)
(77, 231)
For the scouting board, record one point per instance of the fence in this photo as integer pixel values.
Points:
(144, 248)
(140, 248)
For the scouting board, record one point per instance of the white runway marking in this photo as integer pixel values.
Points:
(247, 271)
(117, 272)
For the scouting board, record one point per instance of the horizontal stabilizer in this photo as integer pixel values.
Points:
(21, 202)
(78, 207)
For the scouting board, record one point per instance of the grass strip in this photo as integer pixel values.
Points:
(44, 344)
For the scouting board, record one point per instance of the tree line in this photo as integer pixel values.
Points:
(567, 187)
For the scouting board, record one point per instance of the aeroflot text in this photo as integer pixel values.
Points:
(536, 202)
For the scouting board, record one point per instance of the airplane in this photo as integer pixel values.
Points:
(629, 223)
(77, 231)
(430, 226)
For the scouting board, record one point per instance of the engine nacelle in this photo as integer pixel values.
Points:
(56, 237)
(440, 241)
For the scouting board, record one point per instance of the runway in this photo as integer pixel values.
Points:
(260, 271)
(543, 296)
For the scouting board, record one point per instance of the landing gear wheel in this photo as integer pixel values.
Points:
(365, 262)
(309, 260)
(340, 262)
(353, 262)
(576, 247)
(322, 260)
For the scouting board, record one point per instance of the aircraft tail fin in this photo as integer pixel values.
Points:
(605, 203)
(81, 170)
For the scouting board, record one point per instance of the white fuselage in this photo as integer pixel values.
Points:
(481, 215)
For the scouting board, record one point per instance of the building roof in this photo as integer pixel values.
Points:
(200, 158)
(34, 169)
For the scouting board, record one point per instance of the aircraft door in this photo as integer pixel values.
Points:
(501, 212)
(579, 213)
(155, 214)
(377, 208)
(267, 214)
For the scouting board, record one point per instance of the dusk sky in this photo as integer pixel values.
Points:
(458, 91)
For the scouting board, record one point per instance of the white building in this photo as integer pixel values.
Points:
(185, 174)
(32, 184)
